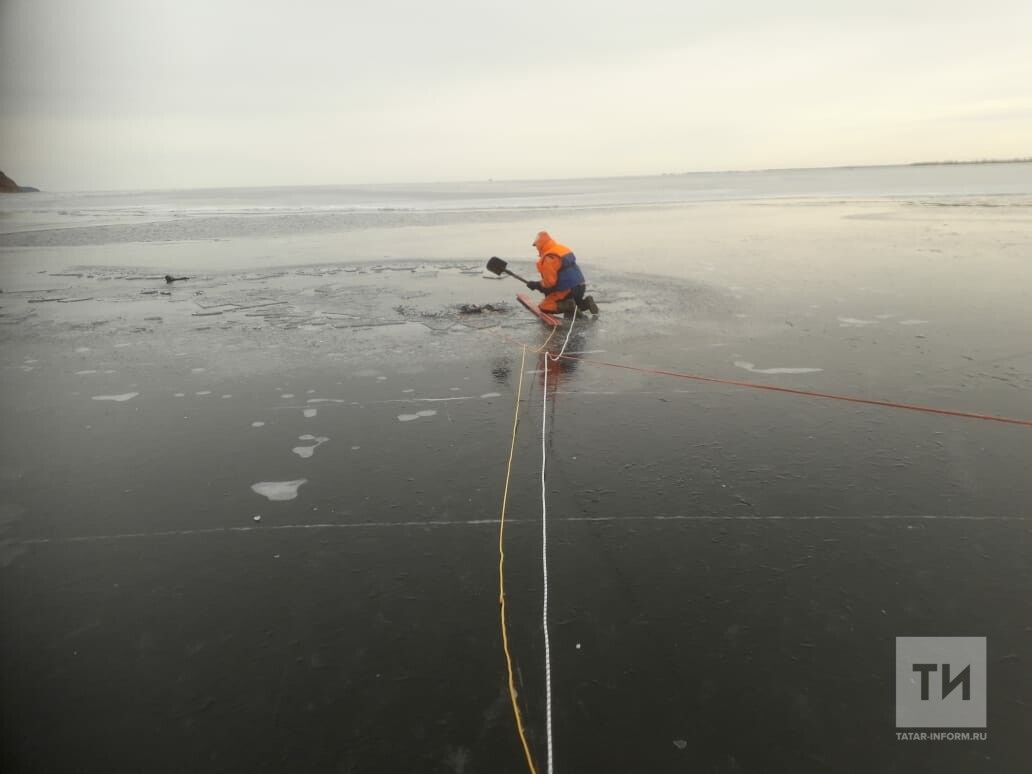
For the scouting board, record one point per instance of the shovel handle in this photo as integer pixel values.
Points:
(514, 274)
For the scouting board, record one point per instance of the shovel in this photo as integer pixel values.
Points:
(497, 266)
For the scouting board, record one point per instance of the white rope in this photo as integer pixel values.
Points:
(561, 351)
(544, 547)
(544, 571)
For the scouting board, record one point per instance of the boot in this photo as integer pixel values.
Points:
(567, 306)
(590, 305)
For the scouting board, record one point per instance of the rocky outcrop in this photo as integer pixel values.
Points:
(9, 186)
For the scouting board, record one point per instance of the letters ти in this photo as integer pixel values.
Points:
(948, 685)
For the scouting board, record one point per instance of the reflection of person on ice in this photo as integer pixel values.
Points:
(561, 279)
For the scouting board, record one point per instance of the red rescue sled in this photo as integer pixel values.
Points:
(546, 318)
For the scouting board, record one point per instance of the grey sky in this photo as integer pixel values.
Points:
(101, 94)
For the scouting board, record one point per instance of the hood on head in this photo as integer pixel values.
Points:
(543, 242)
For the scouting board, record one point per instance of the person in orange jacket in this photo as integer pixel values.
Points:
(561, 279)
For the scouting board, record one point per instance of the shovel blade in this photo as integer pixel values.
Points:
(496, 265)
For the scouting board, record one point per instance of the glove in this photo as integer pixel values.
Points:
(534, 285)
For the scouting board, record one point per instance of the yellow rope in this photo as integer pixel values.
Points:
(501, 574)
(544, 346)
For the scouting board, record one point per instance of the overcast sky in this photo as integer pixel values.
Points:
(108, 94)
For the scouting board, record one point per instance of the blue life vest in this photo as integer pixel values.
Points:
(569, 273)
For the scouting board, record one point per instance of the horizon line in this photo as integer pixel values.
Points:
(758, 170)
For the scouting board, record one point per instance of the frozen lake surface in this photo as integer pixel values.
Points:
(249, 520)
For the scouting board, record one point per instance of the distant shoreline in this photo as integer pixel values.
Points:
(1025, 160)
(972, 162)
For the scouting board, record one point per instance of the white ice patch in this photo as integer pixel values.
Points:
(83, 373)
(227, 396)
(750, 367)
(491, 395)
(287, 395)
(257, 424)
(309, 413)
(408, 391)
(82, 350)
(278, 490)
(417, 415)
(913, 322)
(180, 394)
(123, 344)
(304, 452)
(198, 370)
(854, 322)
(119, 398)
(203, 392)
(326, 400)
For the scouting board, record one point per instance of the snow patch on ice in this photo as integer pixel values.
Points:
(854, 322)
(304, 452)
(119, 398)
(752, 368)
(278, 490)
(417, 415)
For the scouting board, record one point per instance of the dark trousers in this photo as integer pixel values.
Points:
(577, 294)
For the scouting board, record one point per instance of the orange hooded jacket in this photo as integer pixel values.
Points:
(553, 258)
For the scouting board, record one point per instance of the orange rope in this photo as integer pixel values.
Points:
(809, 393)
(501, 575)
